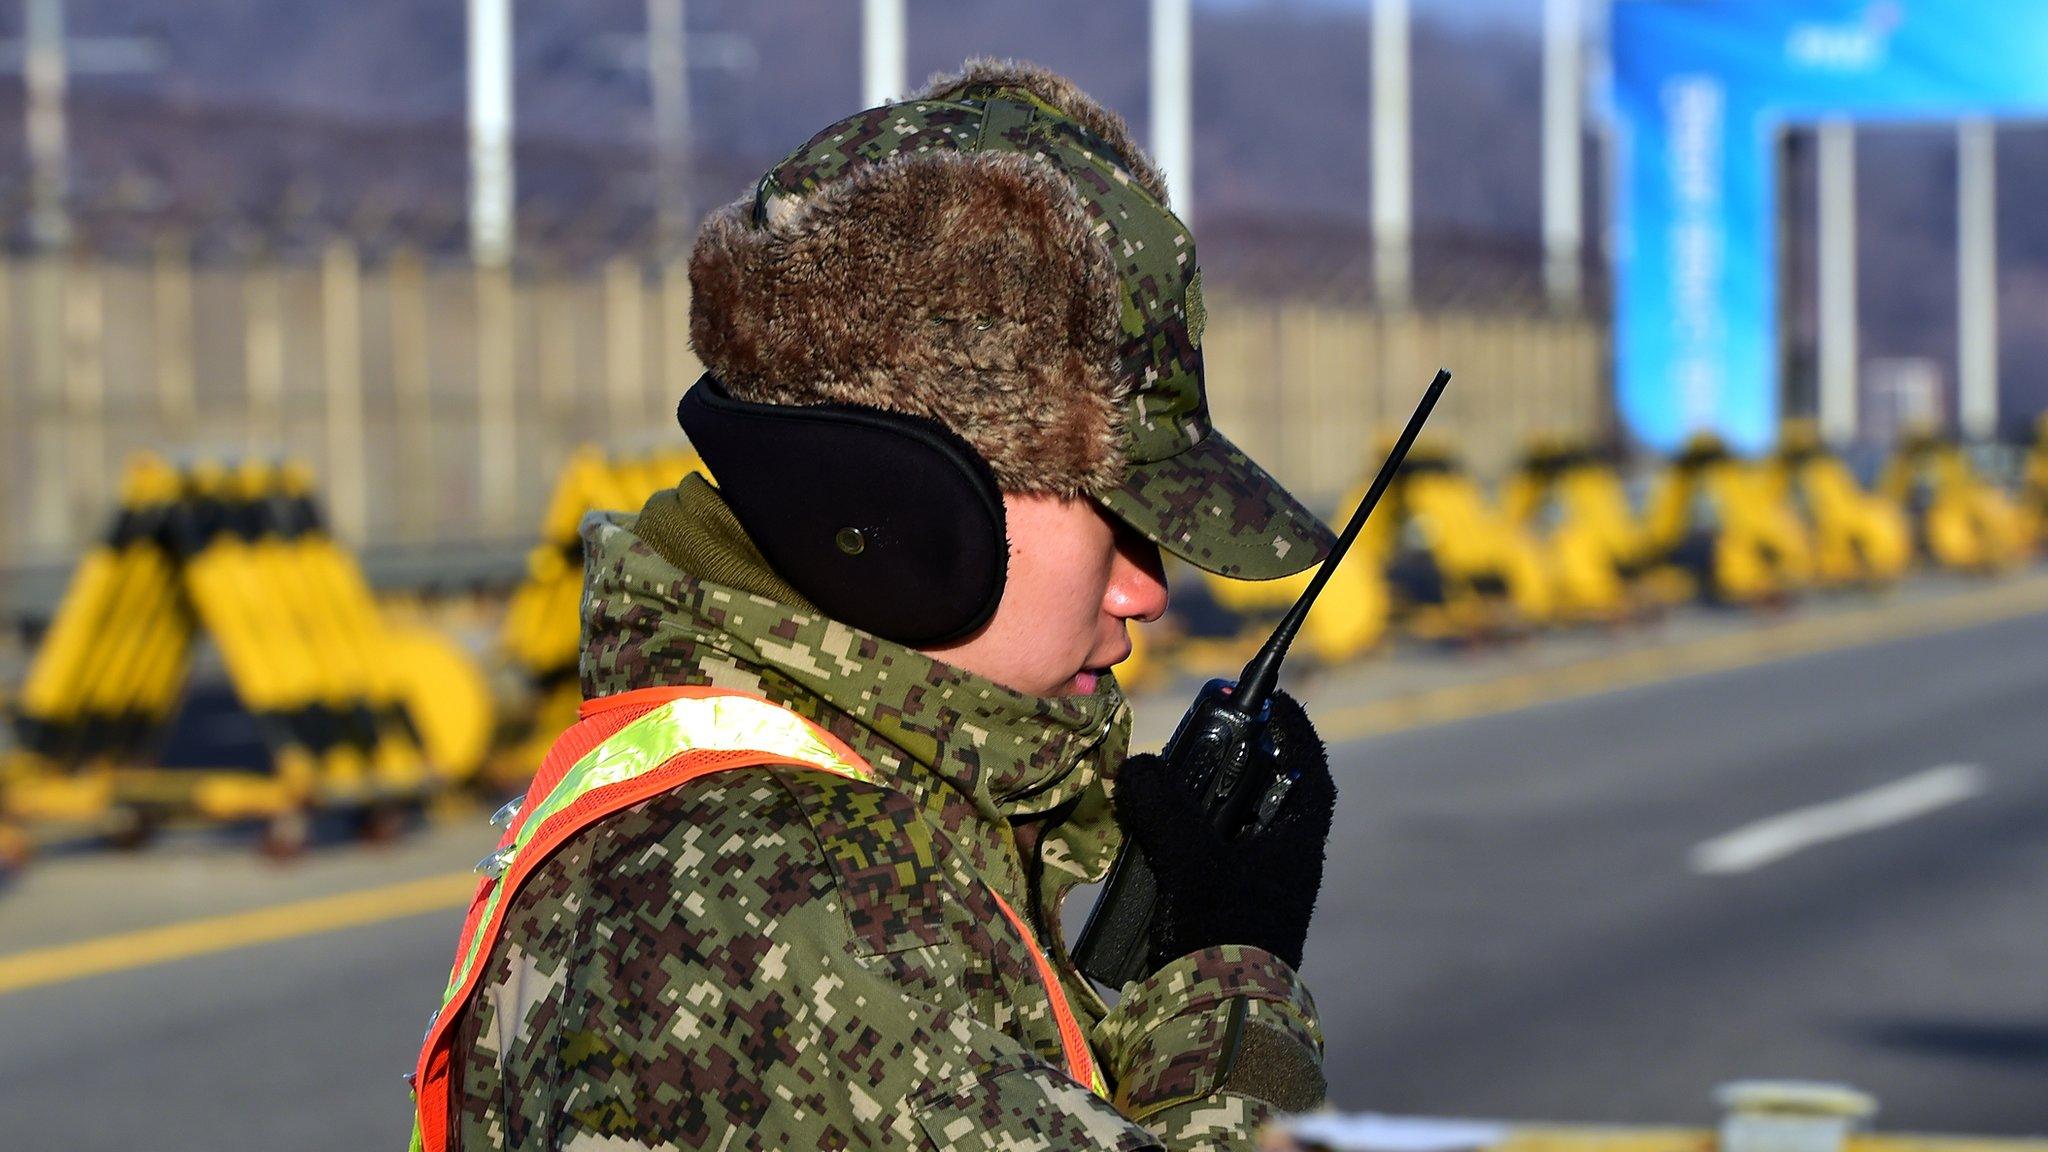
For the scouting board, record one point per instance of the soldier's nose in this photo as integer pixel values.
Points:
(1137, 584)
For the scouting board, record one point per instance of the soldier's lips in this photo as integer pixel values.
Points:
(1086, 679)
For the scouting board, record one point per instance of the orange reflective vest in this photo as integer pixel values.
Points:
(623, 750)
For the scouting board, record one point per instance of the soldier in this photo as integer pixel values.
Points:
(794, 880)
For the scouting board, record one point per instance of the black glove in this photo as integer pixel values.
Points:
(1258, 889)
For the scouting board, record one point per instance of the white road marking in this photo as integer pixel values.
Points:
(1767, 841)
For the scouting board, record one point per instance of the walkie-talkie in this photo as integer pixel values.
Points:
(1213, 747)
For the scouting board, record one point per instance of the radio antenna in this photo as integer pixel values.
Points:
(1262, 673)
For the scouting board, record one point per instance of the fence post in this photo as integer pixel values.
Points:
(497, 444)
(12, 427)
(85, 397)
(177, 402)
(411, 381)
(1553, 332)
(624, 349)
(43, 400)
(263, 357)
(1279, 413)
(1478, 420)
(341, 331)
(1482, 388)
(1297, 450)
(1376, 368)
(1595, 379)
(679, 366)
(1529, 361)
(555, 332)
(1398, 389)
(1351, 374)
(1311, 360)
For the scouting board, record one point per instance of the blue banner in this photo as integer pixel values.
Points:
(1700, 91)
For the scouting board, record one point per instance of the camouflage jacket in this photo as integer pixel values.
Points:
(780, 958)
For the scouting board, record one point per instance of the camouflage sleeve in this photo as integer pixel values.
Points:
(699, 985)
(1208, 1049)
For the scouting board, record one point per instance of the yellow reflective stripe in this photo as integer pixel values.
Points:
(690, 724)
(685, 724)
(483, 925)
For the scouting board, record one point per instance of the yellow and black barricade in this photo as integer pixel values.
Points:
(350, 712)
(542, 627)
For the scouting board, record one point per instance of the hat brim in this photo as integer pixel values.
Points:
(1214, 508)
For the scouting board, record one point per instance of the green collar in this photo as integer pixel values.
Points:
(691, 527)
(649, 620)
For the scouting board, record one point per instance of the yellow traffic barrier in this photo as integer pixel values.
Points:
(240, 554)
(114, 648)
(1350, 617)
(15, 850)
(2034, 481)
(1858, 537)
(1457, 567)
(445, 692)
(541, 632)
(1602, 560)
(1960, 520)
(1200, 635)
(1716, 516)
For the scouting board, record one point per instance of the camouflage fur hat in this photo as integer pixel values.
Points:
(995, 253)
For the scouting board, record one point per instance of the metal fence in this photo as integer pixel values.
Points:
(1312, 389)
(437, 400)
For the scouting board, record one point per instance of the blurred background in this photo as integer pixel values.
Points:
(1685, 692)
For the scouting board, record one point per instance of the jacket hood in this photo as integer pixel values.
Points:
(975, 754)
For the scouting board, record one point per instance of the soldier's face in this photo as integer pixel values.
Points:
(1076, 578)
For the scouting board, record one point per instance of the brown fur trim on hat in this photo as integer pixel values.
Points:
(964, 287)
(1060, 92)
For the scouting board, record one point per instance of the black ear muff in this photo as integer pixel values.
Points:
(887, 522)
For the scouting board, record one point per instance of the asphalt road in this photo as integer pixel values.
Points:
(1512, 928)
